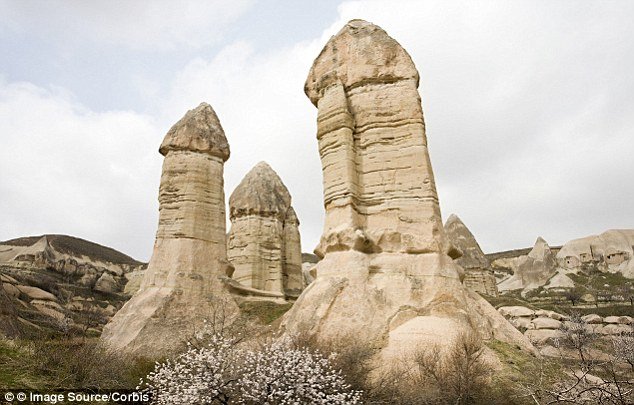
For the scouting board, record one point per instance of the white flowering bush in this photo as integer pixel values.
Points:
(222, 373)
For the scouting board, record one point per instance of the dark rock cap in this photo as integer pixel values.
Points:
(461, 237)
(198, 131)
(261, 192)
(359, 53)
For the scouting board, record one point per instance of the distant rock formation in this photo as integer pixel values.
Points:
(60, 283)
(70, 256)
(182, 285)
(478, 274)
(532, 270)
(386, 276)
(264, 245)
(612, 251)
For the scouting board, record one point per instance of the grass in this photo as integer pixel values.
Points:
(264, 311)
(67, 363)
(519, 368)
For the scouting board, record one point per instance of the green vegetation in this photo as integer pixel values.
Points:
(264, 311)
(67, 363)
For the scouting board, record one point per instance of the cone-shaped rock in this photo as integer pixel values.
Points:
(385, 276)
(478, 274)
(181, 286)
(533, 270)
(263, 244)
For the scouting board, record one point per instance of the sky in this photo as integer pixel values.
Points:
(529, 108)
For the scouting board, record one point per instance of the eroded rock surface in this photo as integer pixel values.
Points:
(182, 285)
(264, 244)
(533, 270)
(386, 276)
(478, 274)
(612, 251)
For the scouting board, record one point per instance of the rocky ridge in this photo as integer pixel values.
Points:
(53, 282)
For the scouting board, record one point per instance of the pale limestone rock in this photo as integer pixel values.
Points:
(516, 311)
(478, 274)
(386, 276)
(522, 323)
(11, 290)
(88, 280)
(264, 244)
(611, 251)
(533, 270)
(8, 279)
(134, 281)
(592, 318)
(36, 293)
(545, 323)
(107, 283)
(612, 319)
(182, 285)
(550, 314)
(543, 336)
(626, 320)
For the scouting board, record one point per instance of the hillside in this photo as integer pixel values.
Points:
(58, 284)
(77, 247)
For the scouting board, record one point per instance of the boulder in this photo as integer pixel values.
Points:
(8, 279)
(11, 290)
(543, 336)
(545, 323)
(522, 323)
(612, 319)
(516, 311)
(36, 293)
(550, 314)
(107, 283)
(626, 320)
(592, 318)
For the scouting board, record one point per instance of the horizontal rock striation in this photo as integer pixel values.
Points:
(386, 277)
(182, 287)
(478, 273)
(264, 244)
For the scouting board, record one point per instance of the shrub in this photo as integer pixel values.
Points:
(224, 373)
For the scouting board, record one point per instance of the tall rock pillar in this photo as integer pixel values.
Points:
(181, 286)
(264, 245)
(386, 276)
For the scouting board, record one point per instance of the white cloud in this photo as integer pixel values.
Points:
(66, 169)
(265, 115)
(141, 25)
(528, 109)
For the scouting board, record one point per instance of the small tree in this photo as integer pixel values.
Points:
(223, 373)
(457, 376)
(577, 335)
(573, 295)
(623, 345)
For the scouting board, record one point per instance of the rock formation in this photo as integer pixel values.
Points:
(57, 283)
(478, 274)
(533, 270)
(182, 285)
(386, 276)
(264, 245)
(612, 251)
